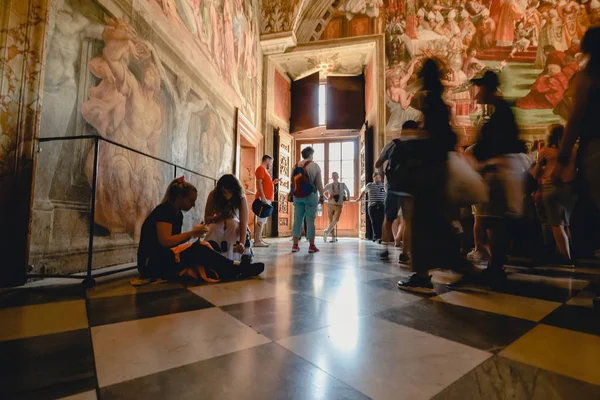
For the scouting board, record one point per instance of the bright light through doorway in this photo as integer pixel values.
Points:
(322, 104)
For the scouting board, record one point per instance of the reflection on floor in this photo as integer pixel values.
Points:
(330, 325)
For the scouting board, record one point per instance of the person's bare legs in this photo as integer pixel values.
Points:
(401, 234)
(258, 232)
(562, 241)
(386, 231)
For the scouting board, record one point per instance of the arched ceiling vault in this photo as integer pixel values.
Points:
(305, 19)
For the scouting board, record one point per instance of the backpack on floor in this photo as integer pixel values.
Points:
(301, 181)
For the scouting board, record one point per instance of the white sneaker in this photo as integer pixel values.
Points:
(325, 234)
(259, 244)
(265, 243)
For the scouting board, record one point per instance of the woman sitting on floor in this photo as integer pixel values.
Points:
(226, 214)
(165, 252)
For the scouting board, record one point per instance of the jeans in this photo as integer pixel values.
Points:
(305, 207)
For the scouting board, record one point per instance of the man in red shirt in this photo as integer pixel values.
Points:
(265, 188)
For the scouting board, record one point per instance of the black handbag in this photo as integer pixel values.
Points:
(261, 210)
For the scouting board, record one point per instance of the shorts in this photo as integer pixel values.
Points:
(395, 202)
(506, 180)
(263, 220)
(558, 203)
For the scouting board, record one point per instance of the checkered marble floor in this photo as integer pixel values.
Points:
(330, 325)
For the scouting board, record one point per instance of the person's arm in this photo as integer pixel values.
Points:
(327, 189)
(383, 156)
(261, 191)
(167, 239)
(347, 192)
(210, 212)
(574, 125)
(363, 191)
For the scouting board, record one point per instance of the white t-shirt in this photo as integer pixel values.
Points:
(333, 188)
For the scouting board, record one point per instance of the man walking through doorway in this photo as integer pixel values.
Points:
(265, 188)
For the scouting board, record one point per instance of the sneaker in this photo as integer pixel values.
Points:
(403, 258)
(416, 283)
(265, 243)
(332, 240)
(259, 244)
(384, 255)
(313, 249)
(295, 248)
(477, 256)
(325, 234)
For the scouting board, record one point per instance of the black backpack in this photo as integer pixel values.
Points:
(405, 163)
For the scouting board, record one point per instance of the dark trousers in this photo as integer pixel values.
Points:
(434, 242)
(376, 215)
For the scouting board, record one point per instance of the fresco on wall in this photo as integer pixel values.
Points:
(226, 31)
(533, 44)
(103, 77)
(279, 15)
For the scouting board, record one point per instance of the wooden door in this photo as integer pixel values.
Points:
(282, 153)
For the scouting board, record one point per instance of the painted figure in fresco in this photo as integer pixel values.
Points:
(551, 35)
(184, 109)
(127, 110)
(569, 12)
(216, 24)
(66, 30)
(467, 29)
(398, 99)
(486, 32)
(169, 8)
(547, 91)
(510, 13)
(231, 66)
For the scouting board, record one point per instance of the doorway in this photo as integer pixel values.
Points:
(339, 155)
(250, 141)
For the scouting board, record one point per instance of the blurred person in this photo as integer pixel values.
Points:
(265, 189)
(502, 163)
(433, 243)
(558, 196)
(376, 196)
(337, 194)
(582, 123)
(306, 183)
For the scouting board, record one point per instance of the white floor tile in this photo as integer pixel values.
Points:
(137, 348)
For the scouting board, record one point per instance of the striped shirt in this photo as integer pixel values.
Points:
(376, 192)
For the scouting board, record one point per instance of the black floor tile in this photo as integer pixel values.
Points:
(108, 310)
(543, 289)
(499, 378)
(278, 318)
(39, 295)
(480, 329)
(575, 318)
(264, 372)
(48, 366)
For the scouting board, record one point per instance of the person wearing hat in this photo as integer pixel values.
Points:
(500, 159)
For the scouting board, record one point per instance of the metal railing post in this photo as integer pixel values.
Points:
(89, 280)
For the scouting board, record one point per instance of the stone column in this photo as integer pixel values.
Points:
(22, 40)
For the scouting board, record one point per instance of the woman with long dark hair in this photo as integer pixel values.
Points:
(226, 214)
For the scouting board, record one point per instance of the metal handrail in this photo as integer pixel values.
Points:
(99, 137)
(89, 280)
